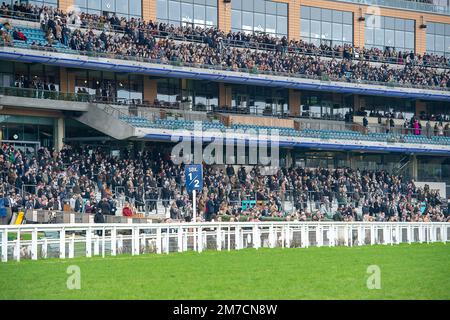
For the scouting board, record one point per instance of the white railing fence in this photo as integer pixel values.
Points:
(87, 240)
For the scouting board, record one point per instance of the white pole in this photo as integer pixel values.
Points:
(5, 245)
(194, 206)
(34, 244)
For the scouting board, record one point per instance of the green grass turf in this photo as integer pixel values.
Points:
(418, 271)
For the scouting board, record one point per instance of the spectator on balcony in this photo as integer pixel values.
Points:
(18, 35)
(126, 211)
(428, 129)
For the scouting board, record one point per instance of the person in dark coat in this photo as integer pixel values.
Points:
(99, 218)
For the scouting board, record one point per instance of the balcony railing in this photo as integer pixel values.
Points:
(177, 63)
(404, 4)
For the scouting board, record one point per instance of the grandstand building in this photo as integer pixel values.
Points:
(347, 83)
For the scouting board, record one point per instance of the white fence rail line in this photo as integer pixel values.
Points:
(81, 240)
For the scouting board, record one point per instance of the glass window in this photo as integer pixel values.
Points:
(187, 12)
(326, 15)
(399, 39)
(282, 9)
(337, 31)
(271, 24)
(326, 31)
(122, 7)
(161, 10)
(389, 38)
(174, 11)
(247, 21)
(211, 16)
(260, 6)
(236, 22)
(392, 32)
(347, 17)
(305, 13)
(305, 31)
(282, 25)
(333, 27)
(438, 38)
(430, 43)
(271, 7)
(247, 5)
(316, 13)
(259, 16)
(315, 29)
(347, 33)
(259, 22)
(199, 15)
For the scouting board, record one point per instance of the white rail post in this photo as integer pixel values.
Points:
(72, 246)
(399, 234)
(133, 241)
(5, 245)
(137, 240)
(103, 241)
(385, 235)
(306, 236)
(113, 241)
(185, 239)
(194, 232)
(271, 236)
(62, 243)
(256, 237)
(219, 238)
(44, 249)
(443, 236)
(17, 248)
(410, 234)
(229, 238)
(359, 235)
(143, 242)
(89, 242)
(372, 235)
(287, 236)
(96, 245)
(391, 238)
(320, 236)
(180, 239)
(120, 243)
(34, 244)
(237, 237)
(167, 240)
(199, 240)
(346, 242)
(331, 236)
(158, 240)
(317, 235)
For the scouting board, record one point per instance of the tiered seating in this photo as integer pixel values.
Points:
(290, 132)
(283, 131)
(382, 137)
(170, 124)
(38, 37)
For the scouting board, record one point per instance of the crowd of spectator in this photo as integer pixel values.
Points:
(88, 180)
(142, 40)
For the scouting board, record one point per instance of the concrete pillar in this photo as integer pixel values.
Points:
(149, 10)
(224, 16)
(414, 168)
(66, 5)
(59, 133)
(225, 94)
(420, 106)
(150, 89)
(295, 102)
(293, 19)
(421, 36)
